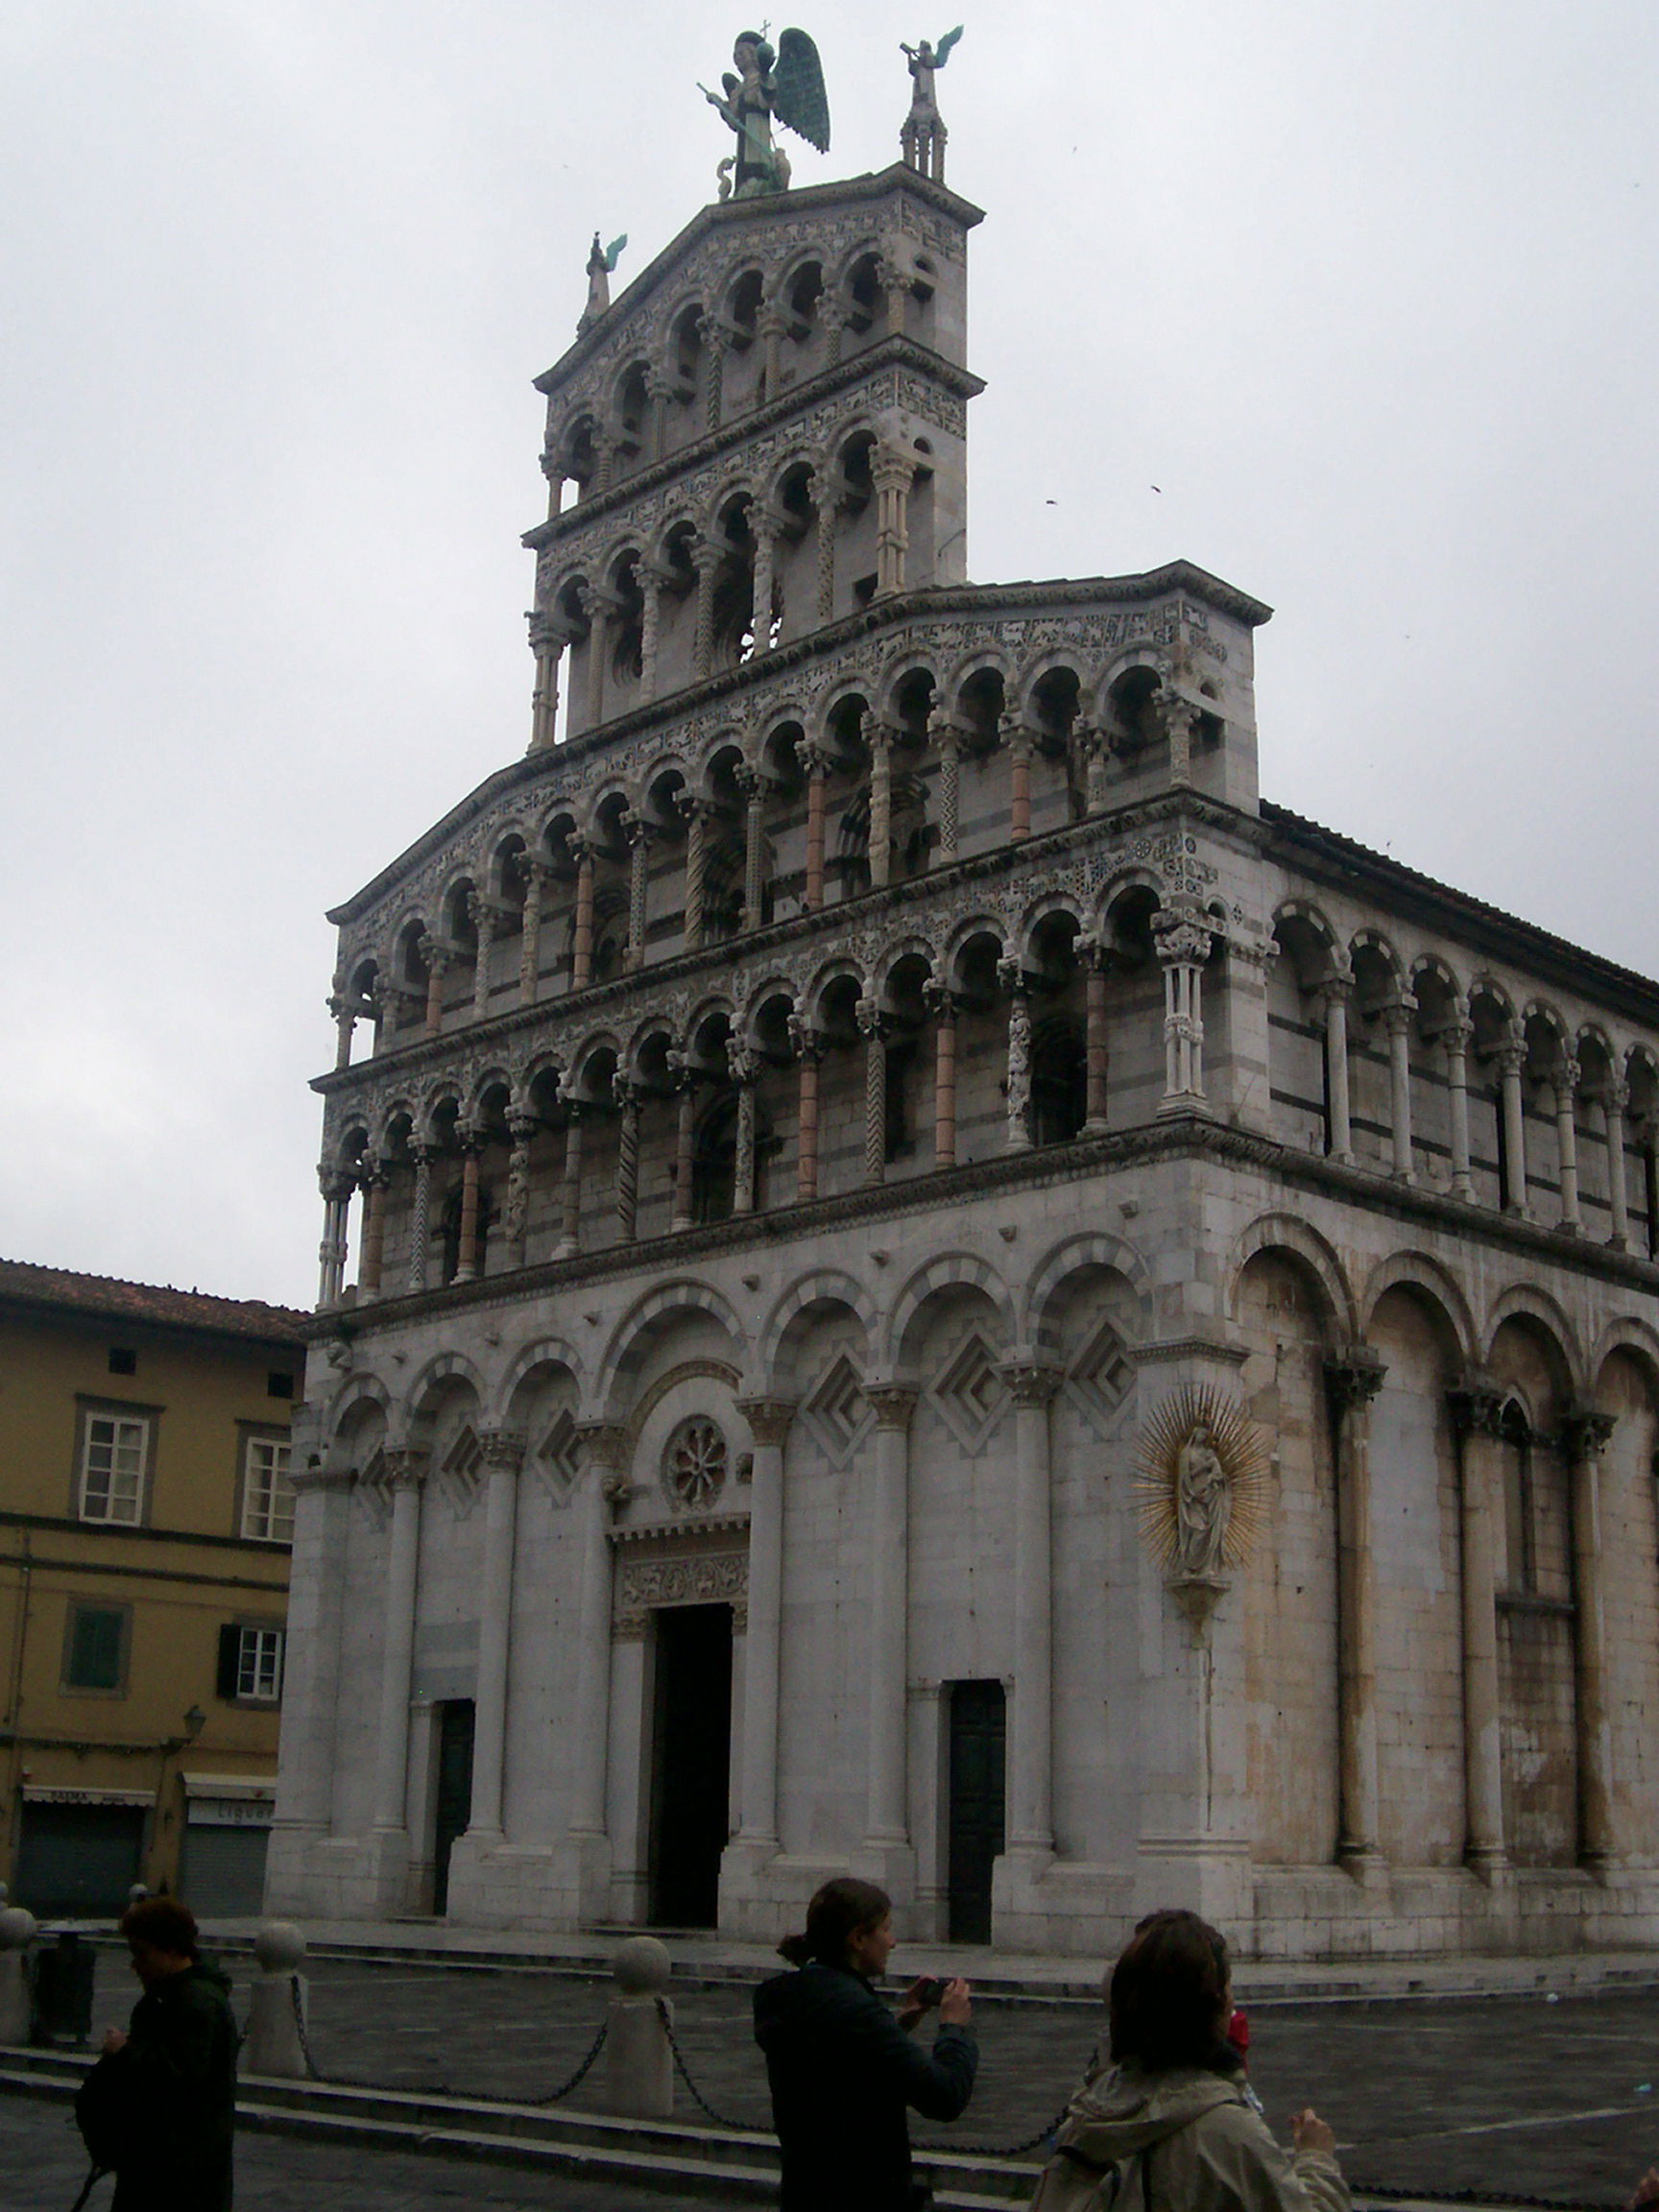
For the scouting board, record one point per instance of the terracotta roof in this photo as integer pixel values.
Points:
(22, 1284)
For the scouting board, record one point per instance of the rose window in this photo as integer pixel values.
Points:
(694, 1463)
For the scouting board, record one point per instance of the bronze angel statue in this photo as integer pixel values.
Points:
(788, 84)
(601, 265)
(923, 135)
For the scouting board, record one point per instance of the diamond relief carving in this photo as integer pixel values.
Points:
(969, 1394)
(838, 1413)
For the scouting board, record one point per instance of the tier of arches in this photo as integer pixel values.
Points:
(1401, 1062)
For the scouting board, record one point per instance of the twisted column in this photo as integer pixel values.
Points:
(880, 737)
(653, 582)
(639, 832)
(873, 1029)
(1477, 1410)
(939, 1001)
(948, 738)
(420, 1214)
(705, 558)
(627, 1095)
(745, 1065)
(1012, 978)
(828, 502)
(765, 530)
(503, 1451)
(715, 356)
(1353, 1380)
(1585, 1433)
(696, 812)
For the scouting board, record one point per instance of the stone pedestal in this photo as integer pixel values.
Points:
(638, 2063)
(277, 2006)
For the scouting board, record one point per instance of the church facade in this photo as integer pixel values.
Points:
(938, 1288)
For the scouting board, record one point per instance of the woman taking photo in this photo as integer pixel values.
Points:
(843, 2068)
(1164, 2122)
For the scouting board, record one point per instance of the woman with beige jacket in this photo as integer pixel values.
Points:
(1164, 2122)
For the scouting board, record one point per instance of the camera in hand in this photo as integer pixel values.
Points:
(930, 1990)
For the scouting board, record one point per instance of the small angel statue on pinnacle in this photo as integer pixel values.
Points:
(788, 84)
(601, 262)
(923, 135)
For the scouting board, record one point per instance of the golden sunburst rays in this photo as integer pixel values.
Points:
(1227, 1523)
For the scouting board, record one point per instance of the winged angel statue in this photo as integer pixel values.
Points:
(788, 84)
(923, 135)
(601, 265)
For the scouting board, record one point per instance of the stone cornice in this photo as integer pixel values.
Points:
(894, 352)
(1187, 1137)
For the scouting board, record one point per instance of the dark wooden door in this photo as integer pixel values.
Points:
(690, 1764)
(979, 1746)
(454, 1790)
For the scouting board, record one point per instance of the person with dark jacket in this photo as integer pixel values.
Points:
(843, 2068)
(169, 2083)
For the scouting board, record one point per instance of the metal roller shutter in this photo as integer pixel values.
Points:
(77, 1861)
(224, 1872)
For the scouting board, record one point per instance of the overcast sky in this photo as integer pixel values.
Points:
(1352, 305)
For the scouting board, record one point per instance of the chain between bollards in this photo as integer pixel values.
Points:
(739, 2126)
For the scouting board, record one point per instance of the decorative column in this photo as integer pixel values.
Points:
(337, 1185)
(810, 1045)
(606, 1451)
(405, 1474)
(1018, 739)
(571, 1230)
(765, 527)
(752, 782)
(873, 1029)
(1511, 1058)
(503, 1451)
(948, 739)
(481, 912)
(715, 356)
(536, 877)
(638, 833)
(1178, 718)
(939, 1001)
(880, 737)
(772, 323)
(744, 1063)
(548, 641)
(1031, 1761)
(1011, 976)
(696, 812)
(420, 1214)
(1353, 1380)
(374, 1180)
(1095, 960)
(471, 1140)
(816, 761)
(522, 1127)
(1584, 1437)
(654, 581)
(598, 605)
(1457, 1037)
(827, 499)
(1476, 1410)
(889, 1586)
(1614, 1098)
(582, 947)
(553, 471)
(768, 1422)
(892, 474)
(1182, 943)
(1397, 1018)
(344, 1009)
(627, 1095)
(705, 558)
(685, 1083)
(1096, 766)
(437, 959)
(1336, 991)
(1567, 1141)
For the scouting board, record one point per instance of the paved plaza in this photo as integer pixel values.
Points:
(1513, 2096)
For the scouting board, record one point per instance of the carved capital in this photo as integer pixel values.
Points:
(768, 1418)
(405, 1467)
(1476, 1406)
(1585, 1433)
(1355, 1376)
(893, 1404)
(939, 1001)
(502, 1448)
(806, 1041)
(1029, 1383)
(606, 1442)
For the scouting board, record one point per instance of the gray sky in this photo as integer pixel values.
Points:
(1367, 290)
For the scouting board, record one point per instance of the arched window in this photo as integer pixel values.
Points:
(1059, 1081)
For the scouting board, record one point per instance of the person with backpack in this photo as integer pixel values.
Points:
(160, 2105)
(843, 2068)
(1164, 2120)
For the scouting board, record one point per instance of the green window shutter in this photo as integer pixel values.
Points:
(95, 1649)
(229, 1659)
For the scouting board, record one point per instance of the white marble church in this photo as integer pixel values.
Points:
(937, 1288)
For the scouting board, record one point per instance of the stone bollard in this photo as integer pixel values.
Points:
(137, 1893)
(638, 2064)
(16, 1933)
(277, 2006)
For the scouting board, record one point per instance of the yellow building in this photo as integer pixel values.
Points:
(146, 1522)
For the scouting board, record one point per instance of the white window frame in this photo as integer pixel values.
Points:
(128, 1434)
(259, 1666)
(267, 1494)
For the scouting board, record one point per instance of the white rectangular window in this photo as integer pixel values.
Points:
(267, 1495)
(259, 1664)
(112, 1467)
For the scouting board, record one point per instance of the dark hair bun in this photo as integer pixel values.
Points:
(796, 1949)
